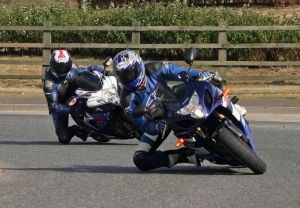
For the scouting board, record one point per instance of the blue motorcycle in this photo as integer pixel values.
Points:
(101, 113)
(203, 118)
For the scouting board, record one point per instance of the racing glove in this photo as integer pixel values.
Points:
(204, 74)
(94, 68)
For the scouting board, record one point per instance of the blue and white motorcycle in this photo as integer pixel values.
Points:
(203, 118)
(103, 117)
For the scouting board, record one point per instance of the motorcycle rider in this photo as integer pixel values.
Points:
(56, 91)
(139, 81)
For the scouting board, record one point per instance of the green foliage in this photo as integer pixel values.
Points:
(138, 3)
(171, 14)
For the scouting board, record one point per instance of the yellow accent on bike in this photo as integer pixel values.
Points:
(226, 91)
(179, 142)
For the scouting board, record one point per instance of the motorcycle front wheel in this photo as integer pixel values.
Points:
(241, 151)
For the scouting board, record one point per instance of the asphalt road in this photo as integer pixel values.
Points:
(277, 106)
(36, 171)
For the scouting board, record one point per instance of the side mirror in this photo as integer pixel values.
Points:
(139, 111)
(107, 62)
(190, 55)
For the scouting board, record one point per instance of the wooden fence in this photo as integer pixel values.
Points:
(222, 46)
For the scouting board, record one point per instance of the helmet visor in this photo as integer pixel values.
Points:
(129, 75)
(61, 68)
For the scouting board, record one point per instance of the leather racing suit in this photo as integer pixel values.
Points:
(146, 157)
(57, 93)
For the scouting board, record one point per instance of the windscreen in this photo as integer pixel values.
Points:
(170, 91)
(87, 81)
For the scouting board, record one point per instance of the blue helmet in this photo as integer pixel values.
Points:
(129, 69)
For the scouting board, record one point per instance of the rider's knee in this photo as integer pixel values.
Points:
(140, 159)
(64, 136)
(64, 140)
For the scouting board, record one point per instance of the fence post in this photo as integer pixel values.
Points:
(222, 53)
(83, 4)
(135, 37)
(46, 51)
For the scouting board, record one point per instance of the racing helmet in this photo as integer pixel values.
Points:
(60, 63)
(129, 69)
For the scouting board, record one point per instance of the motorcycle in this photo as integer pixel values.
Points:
(204, 119)
(103, 117)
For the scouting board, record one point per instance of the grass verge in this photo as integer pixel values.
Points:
(15, 88)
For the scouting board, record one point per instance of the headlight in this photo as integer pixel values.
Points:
(103, 96)
(193, 108)
(110, 95)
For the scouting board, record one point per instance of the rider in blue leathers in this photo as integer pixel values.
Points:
(57, 92)
(139, 82)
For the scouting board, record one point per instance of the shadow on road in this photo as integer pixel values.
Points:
(182, 170)
(57, 143)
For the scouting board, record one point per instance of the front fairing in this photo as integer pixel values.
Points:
(100, 97)
(209, 99)
(212, 102)
(100, 119)
(99, 104)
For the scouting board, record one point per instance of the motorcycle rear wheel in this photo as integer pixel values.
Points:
(241, 151)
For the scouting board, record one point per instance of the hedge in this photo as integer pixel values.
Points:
(173, 14)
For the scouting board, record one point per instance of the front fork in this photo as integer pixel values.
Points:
(200, 138)
(234, 130)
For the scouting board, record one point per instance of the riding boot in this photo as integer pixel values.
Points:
(77, 131)
(183, 155)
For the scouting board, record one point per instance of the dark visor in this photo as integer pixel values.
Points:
(129, 75)
(62, 68)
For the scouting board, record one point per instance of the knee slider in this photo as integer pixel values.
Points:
(140, 159)
(64, 137)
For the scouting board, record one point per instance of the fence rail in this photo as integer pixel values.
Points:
(222, 45)
(228, 78)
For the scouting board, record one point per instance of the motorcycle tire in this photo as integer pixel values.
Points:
(241, 151)
(120, 118)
